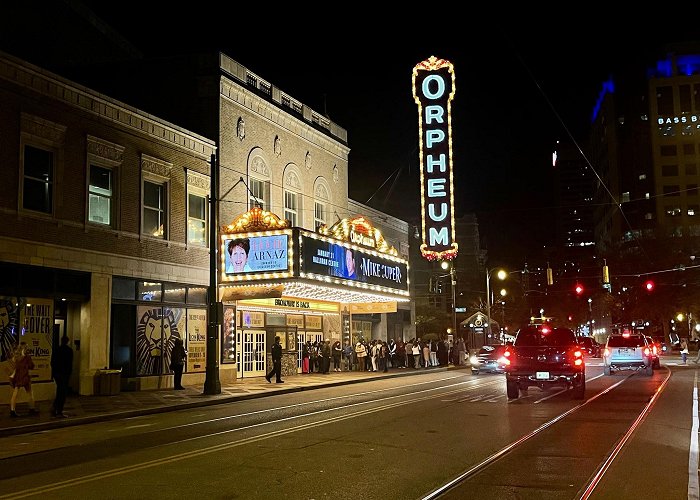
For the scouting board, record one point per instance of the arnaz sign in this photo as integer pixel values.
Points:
(433, 91)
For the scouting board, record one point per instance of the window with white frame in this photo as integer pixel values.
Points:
(38, 185)
(100, 194)
(321, 202)
(197, 218)
(320, 212)
(259, 194)
(291, 207)
(154, 208)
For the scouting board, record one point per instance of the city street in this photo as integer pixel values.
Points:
(405, 437)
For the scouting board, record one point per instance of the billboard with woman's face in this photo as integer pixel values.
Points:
(256, 254)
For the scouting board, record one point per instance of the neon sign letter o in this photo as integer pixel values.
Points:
(440, 91)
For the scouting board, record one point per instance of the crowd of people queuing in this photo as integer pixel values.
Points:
(378, 355)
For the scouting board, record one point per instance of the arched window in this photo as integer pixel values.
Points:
(322, 202)
(293, 203)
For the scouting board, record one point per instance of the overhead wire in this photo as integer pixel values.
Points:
(616, 203)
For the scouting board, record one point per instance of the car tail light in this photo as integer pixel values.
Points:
(654, 350)
(578, 358)
(606, 352)
(507, 357)
(646, 352)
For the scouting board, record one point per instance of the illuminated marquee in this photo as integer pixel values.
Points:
(433, 91)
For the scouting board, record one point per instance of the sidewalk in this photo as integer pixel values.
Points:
(86, 409)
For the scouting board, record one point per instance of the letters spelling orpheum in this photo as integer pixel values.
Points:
(433, 90)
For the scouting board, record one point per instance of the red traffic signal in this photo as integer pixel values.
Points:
(578, 289)
(649, 285)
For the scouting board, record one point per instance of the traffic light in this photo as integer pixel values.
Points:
(649, 285)
(579, 289)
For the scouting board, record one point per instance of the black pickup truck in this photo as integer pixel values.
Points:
(544, 356)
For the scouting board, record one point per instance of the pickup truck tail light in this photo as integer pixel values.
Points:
(506, 358)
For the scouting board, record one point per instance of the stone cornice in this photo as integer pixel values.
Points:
(45, 83)
(234, 92)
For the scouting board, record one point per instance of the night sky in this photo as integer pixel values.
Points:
(520, 86)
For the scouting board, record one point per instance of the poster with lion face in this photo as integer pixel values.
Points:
(156, 331)
(9, 319)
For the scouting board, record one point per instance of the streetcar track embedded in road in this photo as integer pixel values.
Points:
(596, 478)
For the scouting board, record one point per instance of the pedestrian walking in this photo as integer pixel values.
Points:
(684, 350)
(276, 362)
(21, 378)
(61, 369)
(177, 362)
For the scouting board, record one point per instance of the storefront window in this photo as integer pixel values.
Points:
(196, 295)
(123, 288)
(149, 291)
(174, 293)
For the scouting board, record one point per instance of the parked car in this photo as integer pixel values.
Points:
(544, 356)
(628, 351)
(489, 359)
(590, 346)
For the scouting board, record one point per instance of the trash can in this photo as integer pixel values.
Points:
(109, 382)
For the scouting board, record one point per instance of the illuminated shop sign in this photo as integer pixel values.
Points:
(433, 91)
(670, 120)
(291, 303)
(326, 258)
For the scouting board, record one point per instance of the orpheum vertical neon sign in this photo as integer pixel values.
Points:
(433, 91)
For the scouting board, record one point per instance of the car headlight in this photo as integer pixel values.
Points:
(474, 360)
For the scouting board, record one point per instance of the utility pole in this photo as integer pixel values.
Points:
(212, 384)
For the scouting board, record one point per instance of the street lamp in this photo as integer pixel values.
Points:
(501, 276)
(503, 315)
(453, 278)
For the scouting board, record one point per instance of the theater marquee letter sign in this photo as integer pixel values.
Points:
(433, 91)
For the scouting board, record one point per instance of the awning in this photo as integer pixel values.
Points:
(307, 290)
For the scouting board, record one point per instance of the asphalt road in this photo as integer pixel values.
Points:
(399, 438)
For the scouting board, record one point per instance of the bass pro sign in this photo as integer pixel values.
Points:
(433, 91)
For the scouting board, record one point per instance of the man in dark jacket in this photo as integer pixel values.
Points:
(276, 362)
(61, 368)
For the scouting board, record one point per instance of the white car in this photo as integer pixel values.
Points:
(628, 351)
